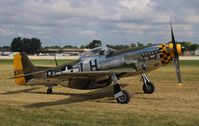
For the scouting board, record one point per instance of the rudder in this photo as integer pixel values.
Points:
(22, 66)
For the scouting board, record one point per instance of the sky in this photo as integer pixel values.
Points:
(78, 22)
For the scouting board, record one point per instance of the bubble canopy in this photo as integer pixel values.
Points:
(99, 51)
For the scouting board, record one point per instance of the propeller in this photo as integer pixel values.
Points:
(176, 58)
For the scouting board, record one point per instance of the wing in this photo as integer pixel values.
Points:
(92, 75)
(85, 74)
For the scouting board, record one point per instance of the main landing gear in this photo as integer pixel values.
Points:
(122, 96)
(148, 87)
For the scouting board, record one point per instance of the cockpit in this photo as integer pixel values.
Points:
(103, 51)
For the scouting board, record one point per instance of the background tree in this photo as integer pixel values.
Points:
(6, 48)
(53, 47)
(94, 43)
(82, 47)
(27, 45)
(139, 44)
(149, 44)
(133, 45)
(35, 44)
(16, 45)
(193, 47)
(69, 47)
(118, 47)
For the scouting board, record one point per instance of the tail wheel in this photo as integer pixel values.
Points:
(148, 88)
(49, 91)
(123, 99)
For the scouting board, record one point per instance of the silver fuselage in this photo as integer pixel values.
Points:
(131, 62)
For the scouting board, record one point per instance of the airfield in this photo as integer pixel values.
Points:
(171, 104)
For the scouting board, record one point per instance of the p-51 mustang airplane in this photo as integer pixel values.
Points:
(101, 67)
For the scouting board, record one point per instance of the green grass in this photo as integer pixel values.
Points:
(189, 63)
(61, 117)
(85, 116)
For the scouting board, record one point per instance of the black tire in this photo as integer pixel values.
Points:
(124, 99)
(49, 91)
(149, 89)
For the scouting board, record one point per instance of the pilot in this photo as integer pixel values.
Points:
(101, 52)
(108, 51)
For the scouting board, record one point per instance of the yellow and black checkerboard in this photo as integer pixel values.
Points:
(165, 57)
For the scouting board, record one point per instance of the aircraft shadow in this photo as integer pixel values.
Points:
(19, 91)
(75, 98)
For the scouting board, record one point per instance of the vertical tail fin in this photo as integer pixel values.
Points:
(22, 65)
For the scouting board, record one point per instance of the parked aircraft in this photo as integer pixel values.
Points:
(100, 67)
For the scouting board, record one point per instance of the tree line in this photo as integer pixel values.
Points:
(33, 45)
(27, 45)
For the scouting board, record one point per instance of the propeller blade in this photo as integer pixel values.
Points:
(172, 35)
(173, 40)
(176, 58)
(176, 61)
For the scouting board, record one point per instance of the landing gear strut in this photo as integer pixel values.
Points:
(49, 90)
(148, 86)
(122, 96)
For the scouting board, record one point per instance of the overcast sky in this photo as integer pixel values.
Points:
(76, 22)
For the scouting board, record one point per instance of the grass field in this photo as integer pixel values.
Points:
(170, 105)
